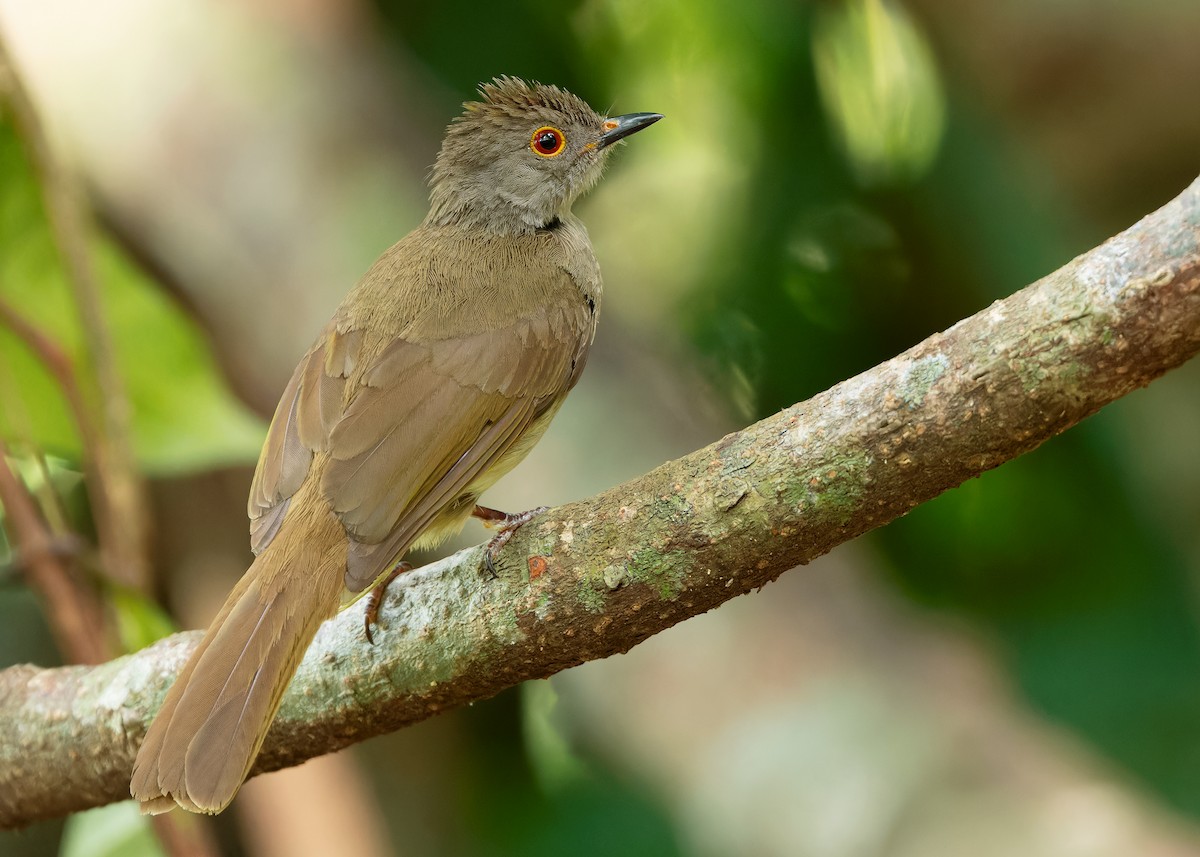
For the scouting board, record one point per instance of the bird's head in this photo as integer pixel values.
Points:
(517, 159)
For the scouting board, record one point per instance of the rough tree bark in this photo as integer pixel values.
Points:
(596, 577)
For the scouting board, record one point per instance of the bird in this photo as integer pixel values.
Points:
(438, 372)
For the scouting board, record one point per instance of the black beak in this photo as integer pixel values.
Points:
(619, 127)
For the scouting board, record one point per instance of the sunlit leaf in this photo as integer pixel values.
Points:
(880, 87)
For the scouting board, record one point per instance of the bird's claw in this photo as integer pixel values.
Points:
(375, 599)
(507, 525)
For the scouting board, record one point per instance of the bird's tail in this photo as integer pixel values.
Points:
(201, 745)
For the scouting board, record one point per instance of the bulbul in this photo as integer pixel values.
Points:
(436, 375)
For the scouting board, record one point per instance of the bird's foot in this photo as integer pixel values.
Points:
(375, 599)
(507, 525)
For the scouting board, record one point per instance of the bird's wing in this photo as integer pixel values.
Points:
(432, 417)
(309, 408)
(422, 423)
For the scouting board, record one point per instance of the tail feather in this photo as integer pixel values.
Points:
(204, 740)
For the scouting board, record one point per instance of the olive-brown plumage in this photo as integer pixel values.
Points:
(435, 376)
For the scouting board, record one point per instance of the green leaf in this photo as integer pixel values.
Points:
(880, 86)
(116, 830)
(139, 620)
(184, 417)
(550, 755)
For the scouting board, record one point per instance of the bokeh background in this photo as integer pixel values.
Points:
(1013, 668)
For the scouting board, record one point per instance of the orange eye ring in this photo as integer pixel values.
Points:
(547, 142)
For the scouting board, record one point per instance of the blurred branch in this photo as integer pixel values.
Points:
(53, 357)
(594, 578)
(121, 520)
(74, 617)
(58, 364)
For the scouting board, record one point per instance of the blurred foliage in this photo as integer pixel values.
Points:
(514, 809)
(139, 620)
(880, 89)
(116, 830)
(184, 417)
(554, 762)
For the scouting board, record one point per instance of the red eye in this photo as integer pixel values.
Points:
(547, 141)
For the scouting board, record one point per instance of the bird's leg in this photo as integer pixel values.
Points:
(375, 599)
(507, 525)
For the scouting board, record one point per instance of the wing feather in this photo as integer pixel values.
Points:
(281, 469)
(310, 407)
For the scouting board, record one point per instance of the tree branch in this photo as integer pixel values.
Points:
(594, 578)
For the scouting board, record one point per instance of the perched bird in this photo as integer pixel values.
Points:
(436, 375)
